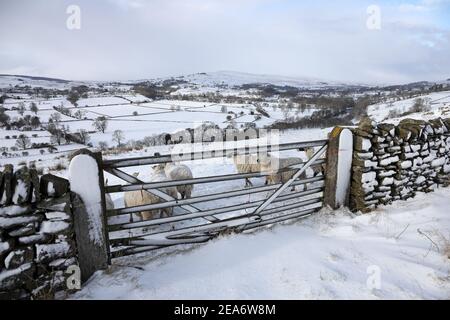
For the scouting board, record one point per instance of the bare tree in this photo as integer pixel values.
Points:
(100, 124)
(34, 108)
(57, 137)
(21, 108)
(23, 142)
(56, 118)
(79, 114)
(118, 137)
(103, 145)
(84, 136)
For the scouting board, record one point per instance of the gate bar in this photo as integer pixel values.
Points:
(210, 197)
(174, 183)
(208, 154)
(157, 221)
(229, 222)
(290, 181)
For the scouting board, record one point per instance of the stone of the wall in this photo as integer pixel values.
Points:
(37, 241)
(394, 162)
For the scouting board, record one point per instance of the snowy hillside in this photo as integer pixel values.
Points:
(233, 78)
(436, 104)
(331, 255)
(7, 81)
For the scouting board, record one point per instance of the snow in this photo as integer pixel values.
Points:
(57, 216)
(50, 189)
(13, 210)
(86, 185)
(30, 239)
(9, 273)
(4, 246)
(46, 251)
(368, 177)
(420, 179)
(438, 103)
(344, 166)
(20, 191)
(438, 162)
(11, 255)
(388, 161)
(406, 164)
(330, 255)
(9, 222)
(366, 144)
(53, 227)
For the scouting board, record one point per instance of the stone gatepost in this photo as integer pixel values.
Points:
(86, 182)
(338, 167)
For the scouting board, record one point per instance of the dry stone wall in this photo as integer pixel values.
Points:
(37, 242)
(393, 162)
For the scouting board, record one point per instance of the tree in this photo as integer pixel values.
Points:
(79, 114)
(34, 108)
(3, 98)
(100, 124)
(118, 137)
(73, 97)
(420, 105)
(57, 137)
(23, 142)
(103, 145)
(84, 136)
(4, 119)
(56, 118)
(35, 122)
(21, 108)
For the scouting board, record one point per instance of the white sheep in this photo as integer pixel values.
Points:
(108, 201)
(247, 163)
(268, 165)
(309, 151)
(141, 197)
(180, 172)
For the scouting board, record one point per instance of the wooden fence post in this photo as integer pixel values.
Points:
(339, 167)
(88, 202)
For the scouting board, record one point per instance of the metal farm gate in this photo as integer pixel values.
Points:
(204, 216)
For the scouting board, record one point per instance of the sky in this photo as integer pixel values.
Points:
(354, 41)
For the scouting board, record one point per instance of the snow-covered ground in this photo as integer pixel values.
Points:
(400, 251)
(437, 102)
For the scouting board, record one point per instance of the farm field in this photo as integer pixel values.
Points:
(133, 114)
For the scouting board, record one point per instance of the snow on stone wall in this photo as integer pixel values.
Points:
(394, 162)
(37, 241)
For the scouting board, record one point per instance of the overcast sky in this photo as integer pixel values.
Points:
(138, 39)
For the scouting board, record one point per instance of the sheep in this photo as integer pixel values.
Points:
(246, 164)
(108, 201)
(141, 197)
(267, 161)
(180, 172)
(309, 151)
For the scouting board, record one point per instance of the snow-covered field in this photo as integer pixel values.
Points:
(437, 102)
(400, 251)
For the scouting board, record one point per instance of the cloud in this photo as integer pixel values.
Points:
(142, 39)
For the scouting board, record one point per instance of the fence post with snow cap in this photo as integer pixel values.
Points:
(88, 201)
(339, 166)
